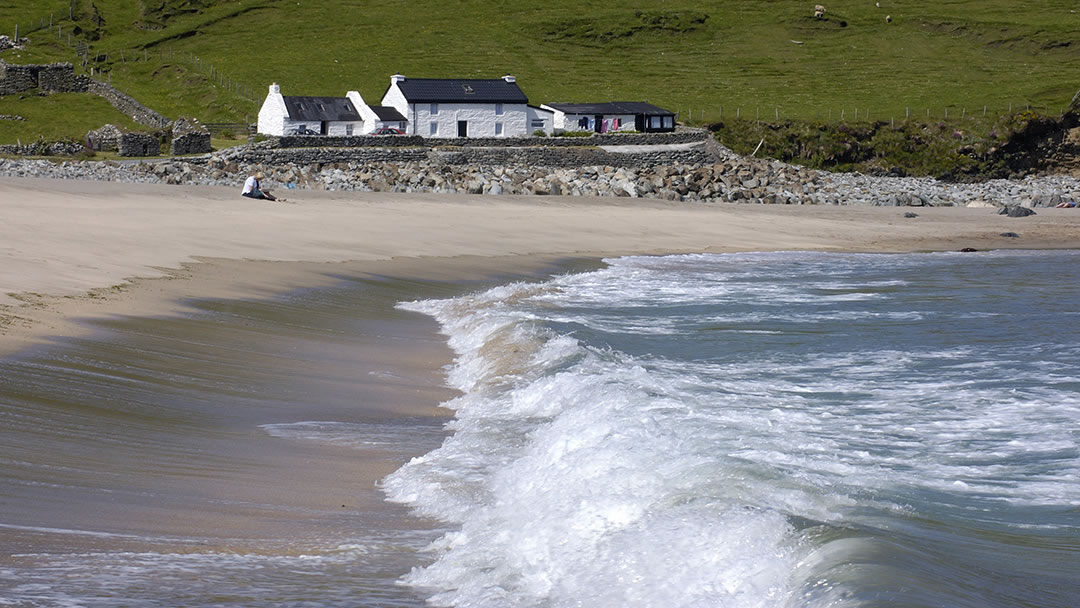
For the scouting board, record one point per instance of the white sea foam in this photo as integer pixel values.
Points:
(626, 462)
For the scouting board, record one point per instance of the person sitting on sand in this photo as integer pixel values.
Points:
(253, 188)
(1065, 205)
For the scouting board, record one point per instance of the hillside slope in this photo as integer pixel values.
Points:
(708, 60)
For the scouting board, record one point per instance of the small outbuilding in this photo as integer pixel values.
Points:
(377, 117)
(611, 117)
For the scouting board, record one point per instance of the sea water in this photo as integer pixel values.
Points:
(748, 430)
(762, 430)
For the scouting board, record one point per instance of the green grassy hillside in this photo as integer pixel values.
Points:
(713, 59)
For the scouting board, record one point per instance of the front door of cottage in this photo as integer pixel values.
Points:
(462, 128)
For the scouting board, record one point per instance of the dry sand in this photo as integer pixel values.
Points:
(71, 248)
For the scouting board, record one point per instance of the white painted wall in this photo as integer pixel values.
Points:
(272, 114)
(396, 99)
(481, 119)
(537, 116)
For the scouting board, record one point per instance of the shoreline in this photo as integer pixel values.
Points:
(74, 249)
(79, 258)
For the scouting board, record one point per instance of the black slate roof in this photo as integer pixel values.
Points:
(387, 113)
(321, 108)
(457, 90)
(612, 107)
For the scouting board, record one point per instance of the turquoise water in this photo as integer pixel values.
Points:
(748, 430)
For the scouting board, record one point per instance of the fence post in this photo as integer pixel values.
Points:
(16, 33)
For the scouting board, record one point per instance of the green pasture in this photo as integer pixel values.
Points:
(708, 60)
(63, 116)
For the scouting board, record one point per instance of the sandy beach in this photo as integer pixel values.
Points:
(74, 248)
(199, 335)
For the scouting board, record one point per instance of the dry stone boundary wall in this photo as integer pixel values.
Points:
(402, 141)
(61, 78)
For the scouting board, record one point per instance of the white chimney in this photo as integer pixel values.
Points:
(509, 78)
(275, 89)
(397, 78)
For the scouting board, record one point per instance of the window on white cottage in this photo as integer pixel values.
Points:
(498, 129)
(498, 109)
(348, 128)
(433, 128)
(434, 109)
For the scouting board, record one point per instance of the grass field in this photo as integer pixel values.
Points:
(707, 60)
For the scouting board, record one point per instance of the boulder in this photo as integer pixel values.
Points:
(1016, 211)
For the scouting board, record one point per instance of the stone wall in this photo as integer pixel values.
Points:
(565, 157)
(487, 157)
(43, 148)
(189, 137)
(314, 156)
(138, 144)
(396, 141)
(126, 104)
(51, 78)
(61, 78)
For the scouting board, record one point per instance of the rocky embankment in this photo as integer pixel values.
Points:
(713, 176)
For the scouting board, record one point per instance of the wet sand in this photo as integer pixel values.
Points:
(118, 253)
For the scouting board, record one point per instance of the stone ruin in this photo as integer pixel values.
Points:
(105, 139)
(190, 137)
(138, 144)
(50, 77)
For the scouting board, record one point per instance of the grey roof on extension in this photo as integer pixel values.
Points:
(321, 109)
(459, 90)
(387, 113)
(612, 107)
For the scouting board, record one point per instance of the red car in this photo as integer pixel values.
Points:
(388, 131)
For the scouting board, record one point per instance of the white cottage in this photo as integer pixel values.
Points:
(611, 117)
(289, 115)
(455, 107)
